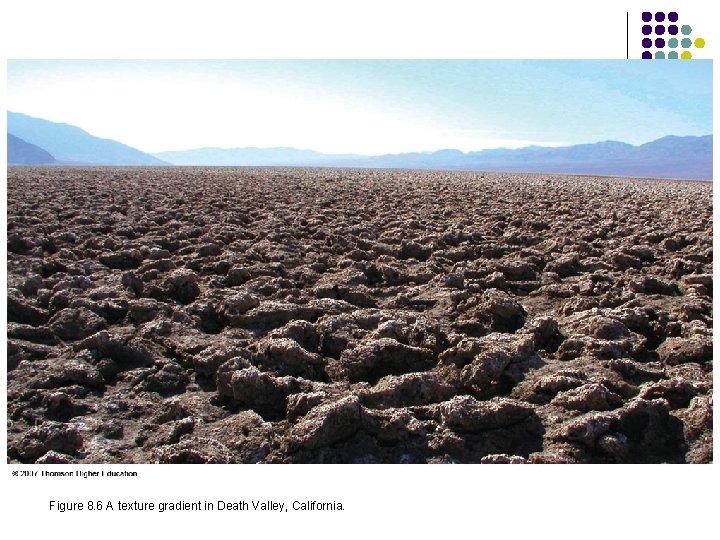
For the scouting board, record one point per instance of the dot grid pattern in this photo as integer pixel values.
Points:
(657, 29)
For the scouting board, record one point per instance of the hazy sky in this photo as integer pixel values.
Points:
(367, 106)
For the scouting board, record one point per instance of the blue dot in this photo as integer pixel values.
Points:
(659, 16)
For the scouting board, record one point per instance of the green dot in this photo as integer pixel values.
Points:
(672, 55)
(699, 43)
(686, 42)
(672, 43)
(659, 55)
(686, 55)
(685, 29)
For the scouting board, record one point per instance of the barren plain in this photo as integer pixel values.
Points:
(229, 315)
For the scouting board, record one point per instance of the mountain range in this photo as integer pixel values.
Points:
(21, 152)
(668, 157)
(72, 145)
(37, 141)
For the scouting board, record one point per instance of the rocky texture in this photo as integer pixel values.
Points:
(324, 316)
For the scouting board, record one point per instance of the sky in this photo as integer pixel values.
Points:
(366, 106)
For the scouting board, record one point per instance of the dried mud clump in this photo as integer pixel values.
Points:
(357, 316)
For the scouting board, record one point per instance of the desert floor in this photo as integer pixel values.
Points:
(229, 315)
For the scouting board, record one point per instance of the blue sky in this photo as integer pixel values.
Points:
(371, 106)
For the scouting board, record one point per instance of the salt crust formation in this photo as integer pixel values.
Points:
(357, 316)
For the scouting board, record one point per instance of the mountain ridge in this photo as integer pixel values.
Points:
(70, 144)
(21, 152)
(671, 156)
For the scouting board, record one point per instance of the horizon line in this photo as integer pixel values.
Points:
(445, 149)
(538, 144)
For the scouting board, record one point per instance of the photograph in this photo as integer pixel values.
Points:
(312, 269)
(345, 261)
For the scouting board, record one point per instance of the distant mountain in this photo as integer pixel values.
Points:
(72, 145)
(668, 157)
(20, 152)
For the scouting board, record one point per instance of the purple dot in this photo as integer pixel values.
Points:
(659, 16)
(659, 29)
(647, 30)
(672, 16)
(647, 43)
(647, 16)
(672, 29)
(647, 55)
(659, 43)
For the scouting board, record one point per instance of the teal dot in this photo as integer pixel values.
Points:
(672, 55)
(672, 43)
(659, 55)
(686, 42)
(685, 29)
